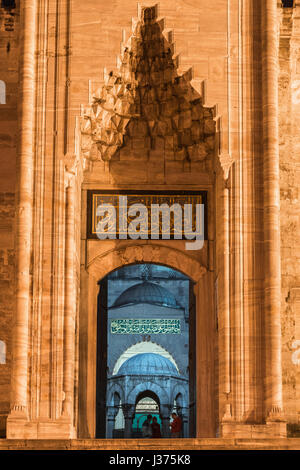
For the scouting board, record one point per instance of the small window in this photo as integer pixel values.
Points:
(287, 3)
(2, 352)
(8, 4)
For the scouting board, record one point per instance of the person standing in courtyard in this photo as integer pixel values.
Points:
(146, 427)
(156, 433)
(176, 426)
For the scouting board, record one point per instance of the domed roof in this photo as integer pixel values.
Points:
(148, 364)
(146, 293)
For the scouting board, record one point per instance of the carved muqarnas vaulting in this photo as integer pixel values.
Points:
(146, 109)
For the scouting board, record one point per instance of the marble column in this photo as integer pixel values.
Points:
(128, 411)
(185, 422)
(226, 311)
(272, 276)
(112, 412)
(224, 314)
(24, 193)
(70, 305)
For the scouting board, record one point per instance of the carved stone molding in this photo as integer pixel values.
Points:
(226, 160)
(71, 162)
(104, 264)
(146, 108)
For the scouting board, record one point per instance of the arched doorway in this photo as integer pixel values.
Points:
(146, 306)
(147, 403)
(203, 339)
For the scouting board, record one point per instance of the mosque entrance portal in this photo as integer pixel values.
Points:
(145, 351)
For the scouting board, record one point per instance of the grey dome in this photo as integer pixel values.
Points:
(148, 364)
(146, 293)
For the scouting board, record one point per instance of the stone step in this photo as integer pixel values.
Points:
(151, 444)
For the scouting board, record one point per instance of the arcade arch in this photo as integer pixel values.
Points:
(150, 347)
(98, 267)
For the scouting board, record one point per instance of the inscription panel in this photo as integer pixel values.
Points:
(145, 326)
(122, 201)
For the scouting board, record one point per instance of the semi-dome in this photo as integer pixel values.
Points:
(148, 364)
(146, 293)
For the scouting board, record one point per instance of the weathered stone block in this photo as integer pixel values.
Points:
(209, 126)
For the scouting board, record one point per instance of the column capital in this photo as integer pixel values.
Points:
(165, 410)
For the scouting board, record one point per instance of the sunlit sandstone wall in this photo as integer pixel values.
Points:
(289, 123)
(9, 25)
(204, 39)
(200, 38)
(206, 35)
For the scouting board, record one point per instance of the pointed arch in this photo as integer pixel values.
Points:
(150, 346)
(148, 386)
(114, 387)
(179, 390)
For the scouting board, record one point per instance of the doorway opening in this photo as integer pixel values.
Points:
(147, 403)
(145, 351)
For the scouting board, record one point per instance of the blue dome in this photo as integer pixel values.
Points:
(148, 364)
(146, 293)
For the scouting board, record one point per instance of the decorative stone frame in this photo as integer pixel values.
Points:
(244, 388)
(107, 262)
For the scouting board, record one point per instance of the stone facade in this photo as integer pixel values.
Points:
(9, 50)
(7, 278)
(162, 297)
(289, 203)
(89, 107)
